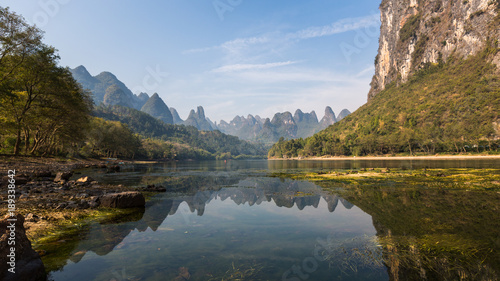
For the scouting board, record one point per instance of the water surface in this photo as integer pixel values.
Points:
(231, 221)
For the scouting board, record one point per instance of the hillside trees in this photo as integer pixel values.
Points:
(111, 139)
(43, 109)
(450, 107)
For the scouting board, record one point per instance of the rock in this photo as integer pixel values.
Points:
(85, 180)
(183, 274)
(63, 176)
(93, 204)
(72, 205)
(28, 265)
(83, 204)
(32, 218)
(129, 199)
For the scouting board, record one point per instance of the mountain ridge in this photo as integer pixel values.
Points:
(109, 90)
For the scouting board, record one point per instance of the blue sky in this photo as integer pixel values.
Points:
(233, 57)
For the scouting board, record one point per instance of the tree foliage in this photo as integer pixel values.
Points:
(179, 141)
(451, 107)
(43, 109)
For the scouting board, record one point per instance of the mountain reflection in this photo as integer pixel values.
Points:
(198, 193)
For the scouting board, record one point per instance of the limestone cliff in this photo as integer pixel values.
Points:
(416, 32)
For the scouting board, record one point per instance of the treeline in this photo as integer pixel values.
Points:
(45, 112)
(161, 140)
(450, 107)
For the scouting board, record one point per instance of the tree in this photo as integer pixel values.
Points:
(42, 106)
(17, 41)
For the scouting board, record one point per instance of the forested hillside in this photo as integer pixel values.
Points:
(178, 141)
(451, 106)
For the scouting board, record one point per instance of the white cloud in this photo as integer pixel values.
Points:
(240, 67)
(340, 26)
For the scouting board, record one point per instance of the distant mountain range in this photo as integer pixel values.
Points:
(107, 89)
(300, 125)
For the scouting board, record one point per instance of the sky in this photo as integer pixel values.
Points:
(233, 57)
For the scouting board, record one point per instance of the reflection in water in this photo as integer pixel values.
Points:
(434, 234)
(192, 195)
(228, 221)
(102, 238)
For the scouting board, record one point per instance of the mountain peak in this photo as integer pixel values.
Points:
(157, 108)
(328, 119)
(200, 112)
(298, 116)
(343, 114)
(81, 70)
(329, 111)
(175, 115)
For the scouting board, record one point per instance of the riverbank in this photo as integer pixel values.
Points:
(53, 196)
(389, 157)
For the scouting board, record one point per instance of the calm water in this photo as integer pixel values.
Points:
(231, 221)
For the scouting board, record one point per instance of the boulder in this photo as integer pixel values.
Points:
(63, 176)
(28, 265)
(130, 199)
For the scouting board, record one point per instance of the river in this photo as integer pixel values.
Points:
(233, 221)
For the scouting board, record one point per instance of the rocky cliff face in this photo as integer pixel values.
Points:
(416, 32)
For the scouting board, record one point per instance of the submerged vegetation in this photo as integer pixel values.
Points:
(458, 178)
(57, 243)
(432, 224)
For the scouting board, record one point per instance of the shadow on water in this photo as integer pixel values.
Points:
(416, 234)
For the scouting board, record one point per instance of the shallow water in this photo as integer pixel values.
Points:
(231, 221)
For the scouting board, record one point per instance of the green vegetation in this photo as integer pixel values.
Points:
(448, 107)
(460, 179)
(43, 110)
(432, 224)
(58, 244)
(409, 29)
(419, 49)
(167, 141)
(110, 139)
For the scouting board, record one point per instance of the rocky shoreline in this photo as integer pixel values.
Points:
(49, 195)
